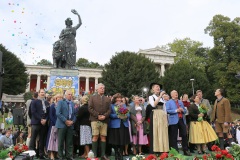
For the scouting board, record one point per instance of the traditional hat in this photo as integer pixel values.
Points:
(152, 84)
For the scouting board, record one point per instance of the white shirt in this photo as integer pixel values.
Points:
(151, 100)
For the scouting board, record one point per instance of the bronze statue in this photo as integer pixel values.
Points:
(65, 49)
(58, 54)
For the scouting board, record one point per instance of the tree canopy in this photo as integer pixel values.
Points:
(128, 73)
(178, 76)
(45, 62)
(224, 57)
(187, 49)
(15, 78)
(82, 62)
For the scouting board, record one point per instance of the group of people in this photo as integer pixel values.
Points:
(9, 138)
(103, 123)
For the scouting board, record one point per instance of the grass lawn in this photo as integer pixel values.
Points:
(6, 126)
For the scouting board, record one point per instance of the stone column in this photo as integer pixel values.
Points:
(96, 81)
(48, 82)
(29, 83)
(162, 69)
(38, 82)
(87, 84)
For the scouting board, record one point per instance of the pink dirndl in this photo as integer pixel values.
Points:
(53, 140)
(142, 139)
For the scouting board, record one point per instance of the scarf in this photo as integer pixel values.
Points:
(43, 104)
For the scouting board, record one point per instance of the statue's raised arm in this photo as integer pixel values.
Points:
(79, 18)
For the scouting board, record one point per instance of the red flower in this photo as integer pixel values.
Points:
(205, 157)
(224, 152)
(163, 156)
(16, 148)
(229, 156)
(213, 148)
(25, 147)
(218, 156)
(151, 157)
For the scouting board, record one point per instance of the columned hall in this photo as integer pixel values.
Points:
(39, 78)
(162, 58)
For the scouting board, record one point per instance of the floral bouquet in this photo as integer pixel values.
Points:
(202, 109)
(121, 111)
(221, 154)
(19, 148)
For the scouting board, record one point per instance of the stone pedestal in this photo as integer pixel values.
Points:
(62, 80)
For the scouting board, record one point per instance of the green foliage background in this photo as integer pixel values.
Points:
(45, 62)
(128, 73)
(15, 78)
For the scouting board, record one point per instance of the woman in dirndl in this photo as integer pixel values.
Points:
(138, 115)
(52, 132)
(158, 133)
(85, 126)
(200, 132)
(118, 127)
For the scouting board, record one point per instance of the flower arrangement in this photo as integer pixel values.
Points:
(220, 154)
(17, 149)
(121, 111)
(202, 109)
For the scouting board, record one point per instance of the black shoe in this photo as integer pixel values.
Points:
(200, 152)
(204, 152)
(192, 151)
(186, 153)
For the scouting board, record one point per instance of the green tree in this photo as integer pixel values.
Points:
(190, 50)
(178, 76)
(82, 62)
(15, 78)
(127, 73)
(45, 62)
(27, 96)
(224, 56)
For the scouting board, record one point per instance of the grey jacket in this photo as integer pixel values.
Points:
(134, 119)
(207, 104)
(7, 141)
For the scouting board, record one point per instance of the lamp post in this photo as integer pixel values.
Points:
(192, 85)
(144, 91)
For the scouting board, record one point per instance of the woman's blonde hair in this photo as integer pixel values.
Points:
(85, 99)
(133, 98)
(58, 96)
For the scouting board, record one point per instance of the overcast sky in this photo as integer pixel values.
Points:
(28, 28)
